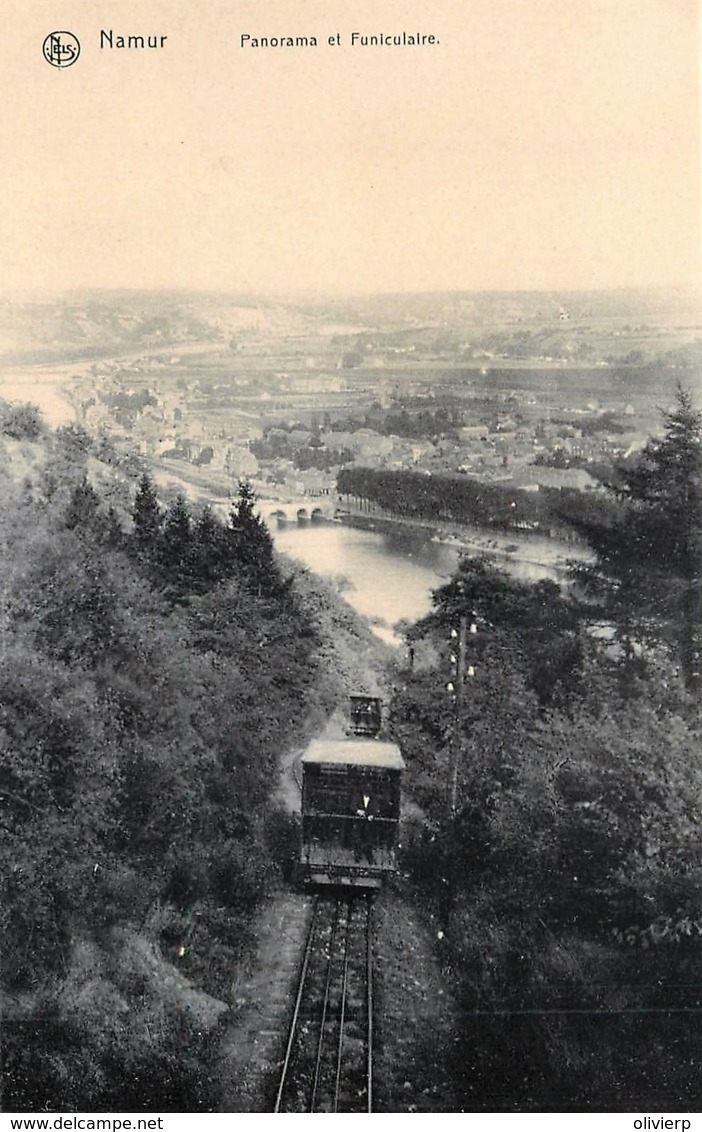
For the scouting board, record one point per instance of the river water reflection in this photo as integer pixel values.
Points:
(386, 577)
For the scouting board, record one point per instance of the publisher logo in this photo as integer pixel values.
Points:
(61, 48)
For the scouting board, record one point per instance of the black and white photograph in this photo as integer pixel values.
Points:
(350, 561)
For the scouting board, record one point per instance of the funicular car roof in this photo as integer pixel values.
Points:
(354, 752)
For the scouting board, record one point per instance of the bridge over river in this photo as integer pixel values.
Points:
(298, 511)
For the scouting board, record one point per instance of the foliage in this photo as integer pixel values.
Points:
(646, 578)
(147, 518)
(251, 543)
(20, 422)
(149, 682)
(184, 553)
(126, 407)
(459, 499)
(322, 458)
(412, 419)
(74, 439)
(531, 628)
(568, 879)
(559, 859)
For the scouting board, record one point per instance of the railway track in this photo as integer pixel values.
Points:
(328, 1063)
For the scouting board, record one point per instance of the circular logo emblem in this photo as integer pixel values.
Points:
(61, 48)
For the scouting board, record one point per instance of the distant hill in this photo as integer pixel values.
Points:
(81, 324)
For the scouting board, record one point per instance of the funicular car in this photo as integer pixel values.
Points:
(351, 804)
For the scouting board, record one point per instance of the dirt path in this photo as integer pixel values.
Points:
(262, 999)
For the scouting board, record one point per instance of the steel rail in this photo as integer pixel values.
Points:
(298, 1001)
(325, 1007)
(342, 1014)
(369, 1003)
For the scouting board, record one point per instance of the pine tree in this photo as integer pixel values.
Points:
(147, 516)
(175, 548)
(212, 561)
(251, 544)
(665, 525)
(647, 567)
(664, 489)
(83, 508)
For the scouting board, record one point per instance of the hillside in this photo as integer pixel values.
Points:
(148, 692)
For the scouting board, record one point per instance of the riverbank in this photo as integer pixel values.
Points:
(515, 547)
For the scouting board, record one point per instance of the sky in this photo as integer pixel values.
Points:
(540, 144)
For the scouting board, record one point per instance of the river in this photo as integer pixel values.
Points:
(389, 577)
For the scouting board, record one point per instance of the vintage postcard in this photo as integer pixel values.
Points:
(350, 457)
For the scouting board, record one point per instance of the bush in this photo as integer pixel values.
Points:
(21, 422)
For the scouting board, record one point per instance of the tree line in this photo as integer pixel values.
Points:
(451, 498)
